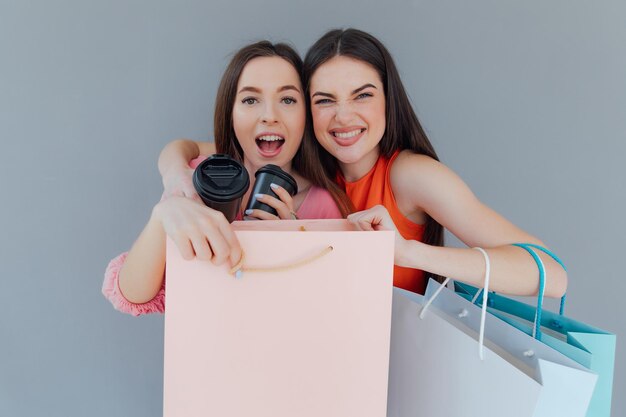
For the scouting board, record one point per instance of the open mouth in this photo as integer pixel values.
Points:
(269, 145)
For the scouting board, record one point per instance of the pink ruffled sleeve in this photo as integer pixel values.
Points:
(111, 291)
(111, 288)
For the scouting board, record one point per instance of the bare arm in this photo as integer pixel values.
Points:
(177, 154)
(197, 230)
(430, 187)
(174, 166)
(142, 275)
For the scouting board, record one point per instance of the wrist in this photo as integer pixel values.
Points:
(174, 154)
(175, 169)
(156, 215)
(174, 179)
(410, 253)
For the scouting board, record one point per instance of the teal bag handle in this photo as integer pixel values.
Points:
(542, 281)
(528, 247)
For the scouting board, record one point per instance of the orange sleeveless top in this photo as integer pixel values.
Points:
(373, 189)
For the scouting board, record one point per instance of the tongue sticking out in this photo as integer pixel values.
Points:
(269, 147)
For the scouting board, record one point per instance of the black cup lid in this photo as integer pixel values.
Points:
(278, 171)
(221, 178)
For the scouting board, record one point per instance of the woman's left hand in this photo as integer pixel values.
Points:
(283, 205)
(378, 218)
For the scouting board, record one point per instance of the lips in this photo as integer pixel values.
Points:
(347, 136)
(269, 144)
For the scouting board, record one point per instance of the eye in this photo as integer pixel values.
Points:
(289, 100)
(364, 95)
(249, 101)
(323, 101)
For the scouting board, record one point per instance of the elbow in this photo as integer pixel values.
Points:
(556, 286)
(131, 293)
(556, 275)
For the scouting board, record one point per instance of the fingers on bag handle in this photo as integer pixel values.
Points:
(235, 252)
(185, 247)
(201, 247)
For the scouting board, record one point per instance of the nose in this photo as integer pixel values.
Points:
(269, 115)
(344, 113)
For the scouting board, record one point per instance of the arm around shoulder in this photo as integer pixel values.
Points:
(176, 154)
(174, 166)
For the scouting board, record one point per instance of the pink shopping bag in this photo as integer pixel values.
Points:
(305, 335)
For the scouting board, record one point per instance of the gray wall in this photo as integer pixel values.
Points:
(526, 100)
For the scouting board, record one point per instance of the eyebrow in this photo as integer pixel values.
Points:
(258, 91)
(289, 87)
(358, 90)
(363, 87)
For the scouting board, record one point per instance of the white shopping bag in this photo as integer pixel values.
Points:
(435, 369)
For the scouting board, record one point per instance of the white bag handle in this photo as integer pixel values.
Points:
(483, 314)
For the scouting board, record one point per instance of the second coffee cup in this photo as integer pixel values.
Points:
(265, 176)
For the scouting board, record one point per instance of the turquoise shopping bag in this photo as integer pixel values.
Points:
(590, 346)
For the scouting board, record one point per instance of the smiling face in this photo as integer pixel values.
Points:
(348, 109)
(269, 112)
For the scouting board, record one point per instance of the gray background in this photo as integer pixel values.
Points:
(526, 100)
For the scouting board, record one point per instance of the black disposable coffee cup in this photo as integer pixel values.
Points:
(265, 176)
(221, 182)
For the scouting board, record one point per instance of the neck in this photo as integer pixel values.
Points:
(354, 171)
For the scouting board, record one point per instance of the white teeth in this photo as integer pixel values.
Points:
(270, 138)
(347, 135)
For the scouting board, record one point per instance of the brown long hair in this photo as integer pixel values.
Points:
(306, 159)
(402, 131)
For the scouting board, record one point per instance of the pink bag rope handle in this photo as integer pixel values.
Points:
(240, 268)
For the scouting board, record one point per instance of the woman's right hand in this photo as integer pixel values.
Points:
(198, 230)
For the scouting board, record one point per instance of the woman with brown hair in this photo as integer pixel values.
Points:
(260, 118)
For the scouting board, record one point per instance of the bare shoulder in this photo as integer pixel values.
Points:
(418, 179)
(206, 147)
(428, 185)
(412, 163)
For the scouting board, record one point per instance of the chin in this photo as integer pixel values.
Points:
(280, 160)
(346, 157)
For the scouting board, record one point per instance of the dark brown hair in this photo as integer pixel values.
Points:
(306, 159)
(402, 130)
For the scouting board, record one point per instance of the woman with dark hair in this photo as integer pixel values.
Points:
(372, 143)
(260, 118)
